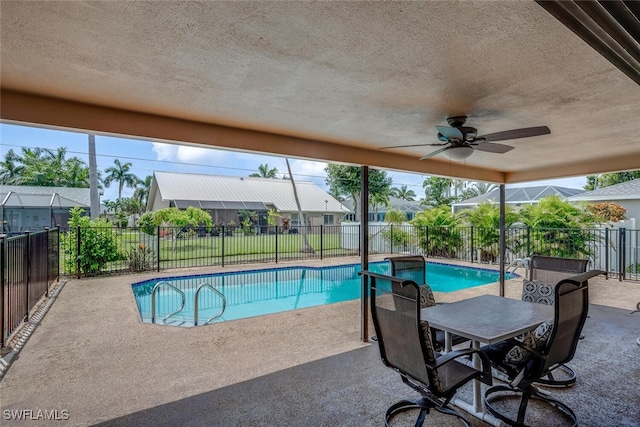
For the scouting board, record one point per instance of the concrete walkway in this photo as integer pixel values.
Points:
(94, 362)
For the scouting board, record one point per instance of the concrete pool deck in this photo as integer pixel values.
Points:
(93, 358)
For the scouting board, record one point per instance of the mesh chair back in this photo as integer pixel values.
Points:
(570, 313)
(551, 270)
(396, 319)
(409, 267)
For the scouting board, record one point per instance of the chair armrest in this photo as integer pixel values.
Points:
(485, 374)
(583, 277)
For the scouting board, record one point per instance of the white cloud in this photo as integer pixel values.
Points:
(185, 153)
(308, 168)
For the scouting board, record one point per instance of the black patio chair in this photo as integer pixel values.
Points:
(543, 273)
(413, 267)
(552, 344)
(405, 346)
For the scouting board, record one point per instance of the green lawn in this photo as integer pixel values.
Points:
(193, 251)
(206, 247)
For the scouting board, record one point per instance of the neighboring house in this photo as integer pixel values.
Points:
(224, 196)
(26, 208)
(517, 196)
(625, 194)
(378, 212)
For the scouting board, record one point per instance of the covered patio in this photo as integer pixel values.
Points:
(325, 81)
(92, 357)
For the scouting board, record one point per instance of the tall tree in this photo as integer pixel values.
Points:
(605, 180)
(437, 191)
(265, 172)
(77, 174)
(119, 173)
(592, 183)
(11, 169)
(477, 189)
(344, 180)
(141, 193)
(43, 167)
(305, 247)
(403, 193)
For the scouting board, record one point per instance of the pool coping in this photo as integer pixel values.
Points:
(290, 267)
(156, 280)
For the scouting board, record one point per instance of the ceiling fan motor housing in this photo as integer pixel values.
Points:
(469, 133)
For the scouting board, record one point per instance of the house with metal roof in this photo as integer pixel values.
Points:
(224, 196)
(27, 208)
(625, 194)
(517, 196)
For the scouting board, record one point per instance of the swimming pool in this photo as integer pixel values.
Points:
(266, 291)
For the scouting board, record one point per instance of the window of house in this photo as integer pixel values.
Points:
(328, 219)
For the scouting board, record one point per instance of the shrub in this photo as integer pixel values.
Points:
(397, 238)
(438, 232)
(559, 228)
(147, 223)
(141, 258)
(486, 220)
(98, 244)
(608, 211)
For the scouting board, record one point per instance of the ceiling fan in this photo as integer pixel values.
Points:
(459, 141)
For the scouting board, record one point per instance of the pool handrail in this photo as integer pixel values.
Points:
(153, 301)
(195, 304)
(517, 263)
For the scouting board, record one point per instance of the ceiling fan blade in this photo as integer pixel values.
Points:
(514, 134)
(412, 145)
(490, 147)
(450, 133)
(434, 153)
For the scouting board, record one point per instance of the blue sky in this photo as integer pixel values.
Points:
(147, 157)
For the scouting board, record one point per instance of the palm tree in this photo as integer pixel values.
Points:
(403, 193)
(120, 173)
(479, 188)
(76, 174)
(141, 193)
(265, 172)
(10, 171)
(37, 169)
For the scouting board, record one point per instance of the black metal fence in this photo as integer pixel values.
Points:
(92, 251)
(29, 264)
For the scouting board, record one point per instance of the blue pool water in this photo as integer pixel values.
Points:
(258, 292)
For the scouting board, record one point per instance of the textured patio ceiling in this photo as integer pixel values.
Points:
(325, 80)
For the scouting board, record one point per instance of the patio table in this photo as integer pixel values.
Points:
(485, 319)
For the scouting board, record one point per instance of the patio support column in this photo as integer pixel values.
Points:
(364, 252)
(503, 248)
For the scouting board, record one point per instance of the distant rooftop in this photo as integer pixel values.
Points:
(622, 191)
(235, 192)
(520, 195)
(37, 197)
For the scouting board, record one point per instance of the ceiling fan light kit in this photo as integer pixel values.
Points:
(460, 152)
(458, 142)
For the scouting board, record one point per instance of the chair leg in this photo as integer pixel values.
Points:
(567, 379)
(425, 406)
(530, 393)
(405, 405)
